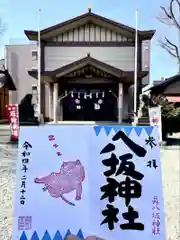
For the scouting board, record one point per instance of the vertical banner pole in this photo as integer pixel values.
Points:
(135, 70)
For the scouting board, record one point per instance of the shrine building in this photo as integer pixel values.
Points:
(87, 68)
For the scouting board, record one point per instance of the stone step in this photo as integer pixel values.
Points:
(9, 146)
(143, 121)
(5, 131)
(5, 134)
(4, 140)
(4, 127)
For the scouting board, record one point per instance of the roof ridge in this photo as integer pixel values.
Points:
(89, 15)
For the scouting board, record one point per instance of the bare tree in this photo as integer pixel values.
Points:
(2, 27)
(171, 16)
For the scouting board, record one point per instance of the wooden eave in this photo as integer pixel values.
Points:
(113, 71)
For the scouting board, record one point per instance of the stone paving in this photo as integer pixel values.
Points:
(170, 158)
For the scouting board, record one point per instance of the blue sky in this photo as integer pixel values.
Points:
(20, 15)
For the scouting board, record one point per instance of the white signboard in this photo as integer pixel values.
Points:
(86, 180)
(156, 120)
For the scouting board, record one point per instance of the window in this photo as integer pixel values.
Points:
(34, 55)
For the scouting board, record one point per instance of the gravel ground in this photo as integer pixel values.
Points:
(7, 183)
(170, 157)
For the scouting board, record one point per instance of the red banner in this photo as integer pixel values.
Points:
(13, 118)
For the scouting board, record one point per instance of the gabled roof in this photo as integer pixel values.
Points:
(113, 71)
(164, 84)
(88, 17)
(84, 62)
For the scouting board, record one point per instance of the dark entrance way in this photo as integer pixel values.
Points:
(90, 103)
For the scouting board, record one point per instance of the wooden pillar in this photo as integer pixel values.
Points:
(48, 101)
(55, 101)
(61, 109)
(50, 98)
(120, 102)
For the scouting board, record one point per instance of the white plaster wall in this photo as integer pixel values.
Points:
(120, 57)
